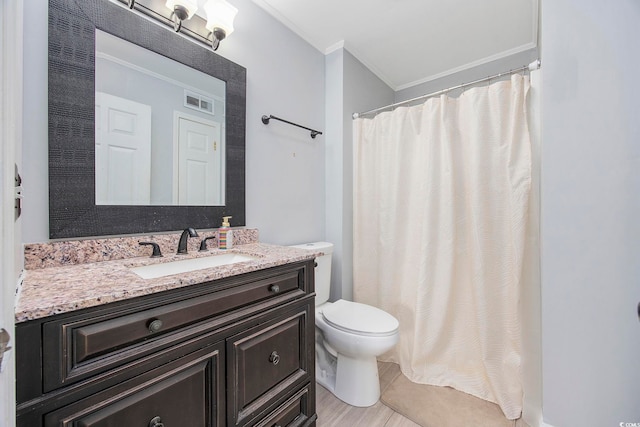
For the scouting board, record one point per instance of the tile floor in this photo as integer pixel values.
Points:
(332, 412)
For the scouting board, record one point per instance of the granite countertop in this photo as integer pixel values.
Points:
(54, 290)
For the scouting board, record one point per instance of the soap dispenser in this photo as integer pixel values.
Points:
(225, 234)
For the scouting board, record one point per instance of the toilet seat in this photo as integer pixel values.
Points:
(360, 319)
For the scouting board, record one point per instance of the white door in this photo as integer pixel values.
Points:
(199, 163)
(11, 25)
(123, 151)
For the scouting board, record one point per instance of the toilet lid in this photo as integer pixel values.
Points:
(360, 318)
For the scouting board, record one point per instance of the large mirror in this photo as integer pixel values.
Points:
(159, 129)
(91, 186)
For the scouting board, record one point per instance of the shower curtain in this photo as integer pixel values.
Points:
(441, 196)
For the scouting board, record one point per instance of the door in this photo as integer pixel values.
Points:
(199, 162)
(11, 18)
(123, 151)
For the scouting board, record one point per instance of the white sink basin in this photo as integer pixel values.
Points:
(184, 266)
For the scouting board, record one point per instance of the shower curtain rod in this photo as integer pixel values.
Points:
(531, 67)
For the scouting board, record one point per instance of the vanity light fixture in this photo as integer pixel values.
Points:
(220, 16)
(182, 15)
(181, 10)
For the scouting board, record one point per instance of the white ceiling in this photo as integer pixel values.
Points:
(407, 42)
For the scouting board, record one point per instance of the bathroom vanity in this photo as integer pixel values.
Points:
(225, 346)
(99, 345)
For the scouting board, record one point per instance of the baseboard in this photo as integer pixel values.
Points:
(543, 424)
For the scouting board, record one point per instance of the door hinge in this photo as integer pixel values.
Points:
(18, 194)
(4, 344)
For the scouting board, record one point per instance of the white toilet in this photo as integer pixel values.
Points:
(349, 336)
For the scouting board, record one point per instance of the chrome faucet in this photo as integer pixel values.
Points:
(182, 244)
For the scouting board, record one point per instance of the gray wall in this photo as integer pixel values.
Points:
(351, 87)
(285, 167)
(590, 211)
(334, 167)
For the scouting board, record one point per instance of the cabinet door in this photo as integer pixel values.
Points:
(267, 362)
(187, 392)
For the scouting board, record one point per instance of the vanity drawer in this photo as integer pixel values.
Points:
(187, 392)
(78, 347)
(266, 362)
(295, 412)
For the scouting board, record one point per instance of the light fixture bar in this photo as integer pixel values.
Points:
(195, 27)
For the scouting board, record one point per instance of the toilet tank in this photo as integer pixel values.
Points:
(323, 269)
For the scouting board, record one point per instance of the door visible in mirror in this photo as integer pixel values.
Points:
(160, 129)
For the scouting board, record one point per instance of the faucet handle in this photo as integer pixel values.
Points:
(203, 244)
(156, 248)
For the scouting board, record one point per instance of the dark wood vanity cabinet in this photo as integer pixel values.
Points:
(232, 352)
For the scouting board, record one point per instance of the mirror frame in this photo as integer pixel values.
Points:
(71, 69)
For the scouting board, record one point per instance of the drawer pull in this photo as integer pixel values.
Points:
(154, 326)
(156, 422)
(274, 358)
(274, 289)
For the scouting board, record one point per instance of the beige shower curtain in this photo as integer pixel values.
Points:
(440, 211)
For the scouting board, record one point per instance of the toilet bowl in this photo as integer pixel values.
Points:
(349, 337)
(355, 334)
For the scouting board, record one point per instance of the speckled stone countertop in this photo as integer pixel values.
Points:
(56, 254)
(60, 289)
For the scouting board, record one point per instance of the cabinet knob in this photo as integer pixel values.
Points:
(156, 422)
(274, 289)
(274, 357)
(155, 325)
